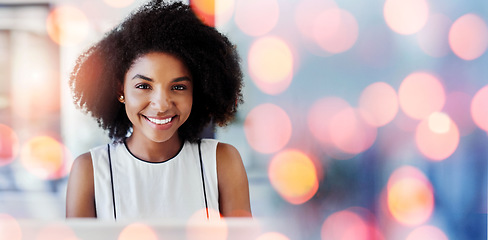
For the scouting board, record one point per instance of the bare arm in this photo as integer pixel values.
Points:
(233, 184)
(80, 195)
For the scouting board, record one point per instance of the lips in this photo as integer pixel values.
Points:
(160, 121)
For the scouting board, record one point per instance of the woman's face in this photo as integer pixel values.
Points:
(158, 92)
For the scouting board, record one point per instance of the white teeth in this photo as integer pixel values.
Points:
(159, 121)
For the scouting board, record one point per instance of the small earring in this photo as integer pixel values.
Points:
(122, 99)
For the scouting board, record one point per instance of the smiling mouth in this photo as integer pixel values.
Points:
(160, 121)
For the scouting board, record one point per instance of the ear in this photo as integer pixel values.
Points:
(120, 95)
(121, 99)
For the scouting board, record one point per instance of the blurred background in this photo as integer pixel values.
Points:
(362, 119)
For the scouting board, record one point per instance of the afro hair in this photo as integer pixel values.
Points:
(160, 26)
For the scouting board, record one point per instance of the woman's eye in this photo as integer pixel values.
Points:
(143, 86)
(179, 87)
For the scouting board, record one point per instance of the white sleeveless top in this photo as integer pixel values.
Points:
(130, 188)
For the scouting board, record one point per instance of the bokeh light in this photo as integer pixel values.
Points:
(272, 236)
(410, 197)
(307, 11)
(43, 96)
(458, 105)
(439, 122)
(350, 133)
(267, 128)
(370, 221)
(224, 11)
(137, 231)
(205, 10)
(344, 225)
(9, 228)
(270, 64)
(479, 108)
(378, 103)
(118, 3)
(67, 25)
(406, 172)
(9, 145)
(199, 227)
(319, 119)
(427, 233)
(293, 175)
(256, 17)
(437, 137)
(56, 231)
(321, 113)
(336, 30)
(468, 37)
(45, 157)
(433, 38)
(406, 17)
(421, 94)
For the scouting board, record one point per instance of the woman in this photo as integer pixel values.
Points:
(154, 82)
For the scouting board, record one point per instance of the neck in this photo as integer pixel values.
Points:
(154, 151)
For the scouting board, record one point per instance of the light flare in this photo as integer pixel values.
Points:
(406, 172)
(479, 108)
(45, 157)
(319, 119)
(437, 142)
(294, 176)
(307, 11)
(270, 62)
(420, 94)
(67, 25)
(205, 6)
(118, 3)
(427, 233)
(344, 225)
(378, 104)
(224, 11)
(336, 30)
(406, 17)
(267, 128)
(137, 231)
(9, 145)
(205, 10)
(350, 133)
(198, 227)
(56, 231)
(9, 228)
(439, 122)
(410, 198)
(256, 17)
(468, 37)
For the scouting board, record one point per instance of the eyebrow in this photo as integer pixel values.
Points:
(179, 79)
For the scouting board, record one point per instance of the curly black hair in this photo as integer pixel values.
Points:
(172, 28)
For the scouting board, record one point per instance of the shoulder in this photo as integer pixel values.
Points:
(230, 167)
(82, 163)
(80, 190)
(227, 152)
(226, 155)
(232, 182)
(81, 174)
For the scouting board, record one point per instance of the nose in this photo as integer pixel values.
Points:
(161, 100)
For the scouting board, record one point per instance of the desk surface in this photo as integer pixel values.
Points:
(228, 228)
